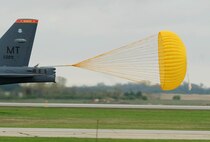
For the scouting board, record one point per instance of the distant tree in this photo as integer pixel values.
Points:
(10, 87)
(176, 97)
(144, 98)
(132, 95)
(139, 94)
(61, 81)
(129, 95)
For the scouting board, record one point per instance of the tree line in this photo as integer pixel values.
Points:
(59, 90)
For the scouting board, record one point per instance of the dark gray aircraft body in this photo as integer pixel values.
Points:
(15, 51)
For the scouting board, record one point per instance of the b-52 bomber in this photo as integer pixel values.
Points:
(15, 51)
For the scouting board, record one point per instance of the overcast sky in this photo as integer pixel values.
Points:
(73, 30)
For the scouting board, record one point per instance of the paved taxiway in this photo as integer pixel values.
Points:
(105, 133)
(106, 106)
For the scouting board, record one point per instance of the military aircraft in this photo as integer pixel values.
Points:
(15, 51)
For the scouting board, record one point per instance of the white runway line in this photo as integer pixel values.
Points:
(106, 133)
(180, 107)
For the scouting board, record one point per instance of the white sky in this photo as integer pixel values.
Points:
(73, 30)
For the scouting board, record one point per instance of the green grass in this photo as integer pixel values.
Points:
(24, 139)
(108, 118)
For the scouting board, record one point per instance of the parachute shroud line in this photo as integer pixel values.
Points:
(160, 59)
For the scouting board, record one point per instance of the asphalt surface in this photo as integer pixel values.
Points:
(106, 106)
(105, 133)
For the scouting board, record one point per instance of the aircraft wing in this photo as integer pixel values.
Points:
(13, 75)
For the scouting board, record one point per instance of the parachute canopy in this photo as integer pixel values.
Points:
(160, 59)
(172, 60)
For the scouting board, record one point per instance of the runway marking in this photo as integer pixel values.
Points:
(177, 107)
(106, 133)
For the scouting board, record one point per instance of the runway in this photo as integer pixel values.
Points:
(105, 133)
(128, 106)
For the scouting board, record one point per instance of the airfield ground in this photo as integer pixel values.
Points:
(14, 139)
(162, 101)
(108, 118)
(150, 119)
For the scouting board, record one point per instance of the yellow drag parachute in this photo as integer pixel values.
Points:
(160, 59)
(172, 60)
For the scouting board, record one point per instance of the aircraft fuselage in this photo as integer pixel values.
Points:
(9, 75)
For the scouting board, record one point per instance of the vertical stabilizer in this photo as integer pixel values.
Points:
(16, 44)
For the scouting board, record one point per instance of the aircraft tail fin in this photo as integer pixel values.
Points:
(16, 44)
